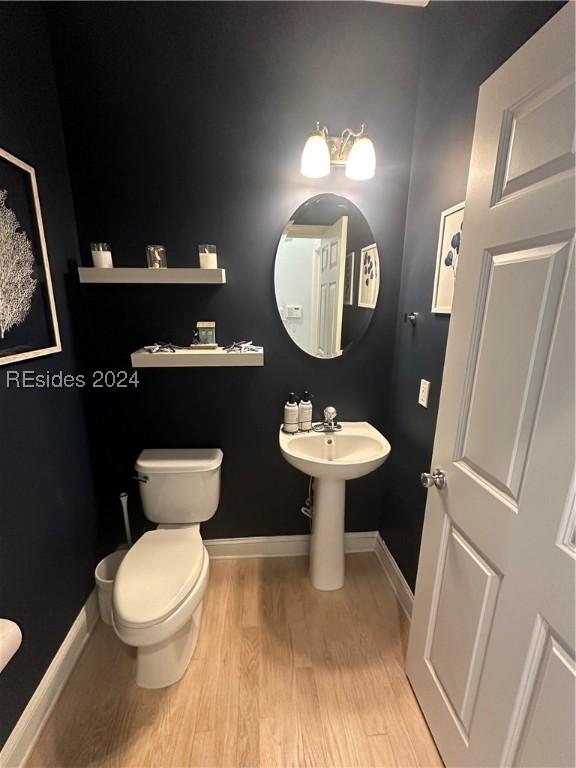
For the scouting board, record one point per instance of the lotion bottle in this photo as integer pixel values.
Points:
(290, 423)
(305, 413)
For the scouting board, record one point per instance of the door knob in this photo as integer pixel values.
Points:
(437, 478)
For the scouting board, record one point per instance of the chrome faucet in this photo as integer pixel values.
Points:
(330, 423)
(330, 417)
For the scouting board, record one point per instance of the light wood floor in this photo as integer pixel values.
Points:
(282, 675)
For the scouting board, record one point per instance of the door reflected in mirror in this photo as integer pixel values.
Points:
(326, 275)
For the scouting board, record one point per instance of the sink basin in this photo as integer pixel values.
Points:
(355, 451)
(332, 458)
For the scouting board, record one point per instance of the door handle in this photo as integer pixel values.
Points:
(437, 478)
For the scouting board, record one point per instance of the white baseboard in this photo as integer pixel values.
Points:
(17, 748)
(283, 546)
(290, 546)
(403, 593)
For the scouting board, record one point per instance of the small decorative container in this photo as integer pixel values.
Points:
(208, 256)
(105, 575)
(206, 332)
(101, 255)
(156, 256)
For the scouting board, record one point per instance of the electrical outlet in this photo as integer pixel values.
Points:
(423, 394)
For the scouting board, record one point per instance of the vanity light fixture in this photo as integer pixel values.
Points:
(352, 149)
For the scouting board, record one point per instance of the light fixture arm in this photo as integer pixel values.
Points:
(345, 137)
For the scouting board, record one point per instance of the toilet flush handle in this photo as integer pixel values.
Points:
(140, 478)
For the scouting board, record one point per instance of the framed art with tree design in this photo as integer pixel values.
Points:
(28, 321)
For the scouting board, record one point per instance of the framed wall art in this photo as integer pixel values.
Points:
(447, 255)
(369, 280)
(28, 321)
(349, 278)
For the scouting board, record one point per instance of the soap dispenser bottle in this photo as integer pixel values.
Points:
(290, 423)
(305, 413)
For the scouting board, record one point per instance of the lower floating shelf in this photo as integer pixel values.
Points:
(189, 358)
(145, 275)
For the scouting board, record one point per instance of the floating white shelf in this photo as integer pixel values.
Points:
(172, 275)
(187, 358)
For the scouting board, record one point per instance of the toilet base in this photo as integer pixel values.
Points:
(163, 664)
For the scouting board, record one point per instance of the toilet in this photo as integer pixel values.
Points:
(158, 591)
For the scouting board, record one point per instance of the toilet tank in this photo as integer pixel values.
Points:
(179, 486)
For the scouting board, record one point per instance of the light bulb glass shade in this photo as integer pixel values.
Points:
(315, 157)
(361, 163)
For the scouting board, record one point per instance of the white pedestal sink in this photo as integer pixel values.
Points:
(332, 458)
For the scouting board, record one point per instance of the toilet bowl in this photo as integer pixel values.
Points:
(158, 591)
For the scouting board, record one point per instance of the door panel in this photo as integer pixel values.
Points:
(546, 705)
(567, 534)
(467, 586)
(518, 307)
(537, 139)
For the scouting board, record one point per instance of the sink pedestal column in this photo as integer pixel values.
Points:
(327, 542)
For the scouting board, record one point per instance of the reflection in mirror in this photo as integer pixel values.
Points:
(326, 275)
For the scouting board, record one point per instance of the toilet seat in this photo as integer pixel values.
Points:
(157, 575)
(143, 635)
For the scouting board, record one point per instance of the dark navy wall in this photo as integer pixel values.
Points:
(184, 124)
(463, 43)
(47, 510)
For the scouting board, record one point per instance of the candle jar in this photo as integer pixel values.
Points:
(208, 257)
(156, 256)
(101, 255)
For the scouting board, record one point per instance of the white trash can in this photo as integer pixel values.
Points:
(105, 574)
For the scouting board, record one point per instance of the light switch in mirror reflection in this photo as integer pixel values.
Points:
(326, 275)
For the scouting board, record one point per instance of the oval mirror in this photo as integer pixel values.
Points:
(326, 275)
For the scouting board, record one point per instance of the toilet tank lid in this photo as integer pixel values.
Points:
(178, 460)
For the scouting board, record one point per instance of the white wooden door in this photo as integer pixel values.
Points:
(331, 288)
(491, 651)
